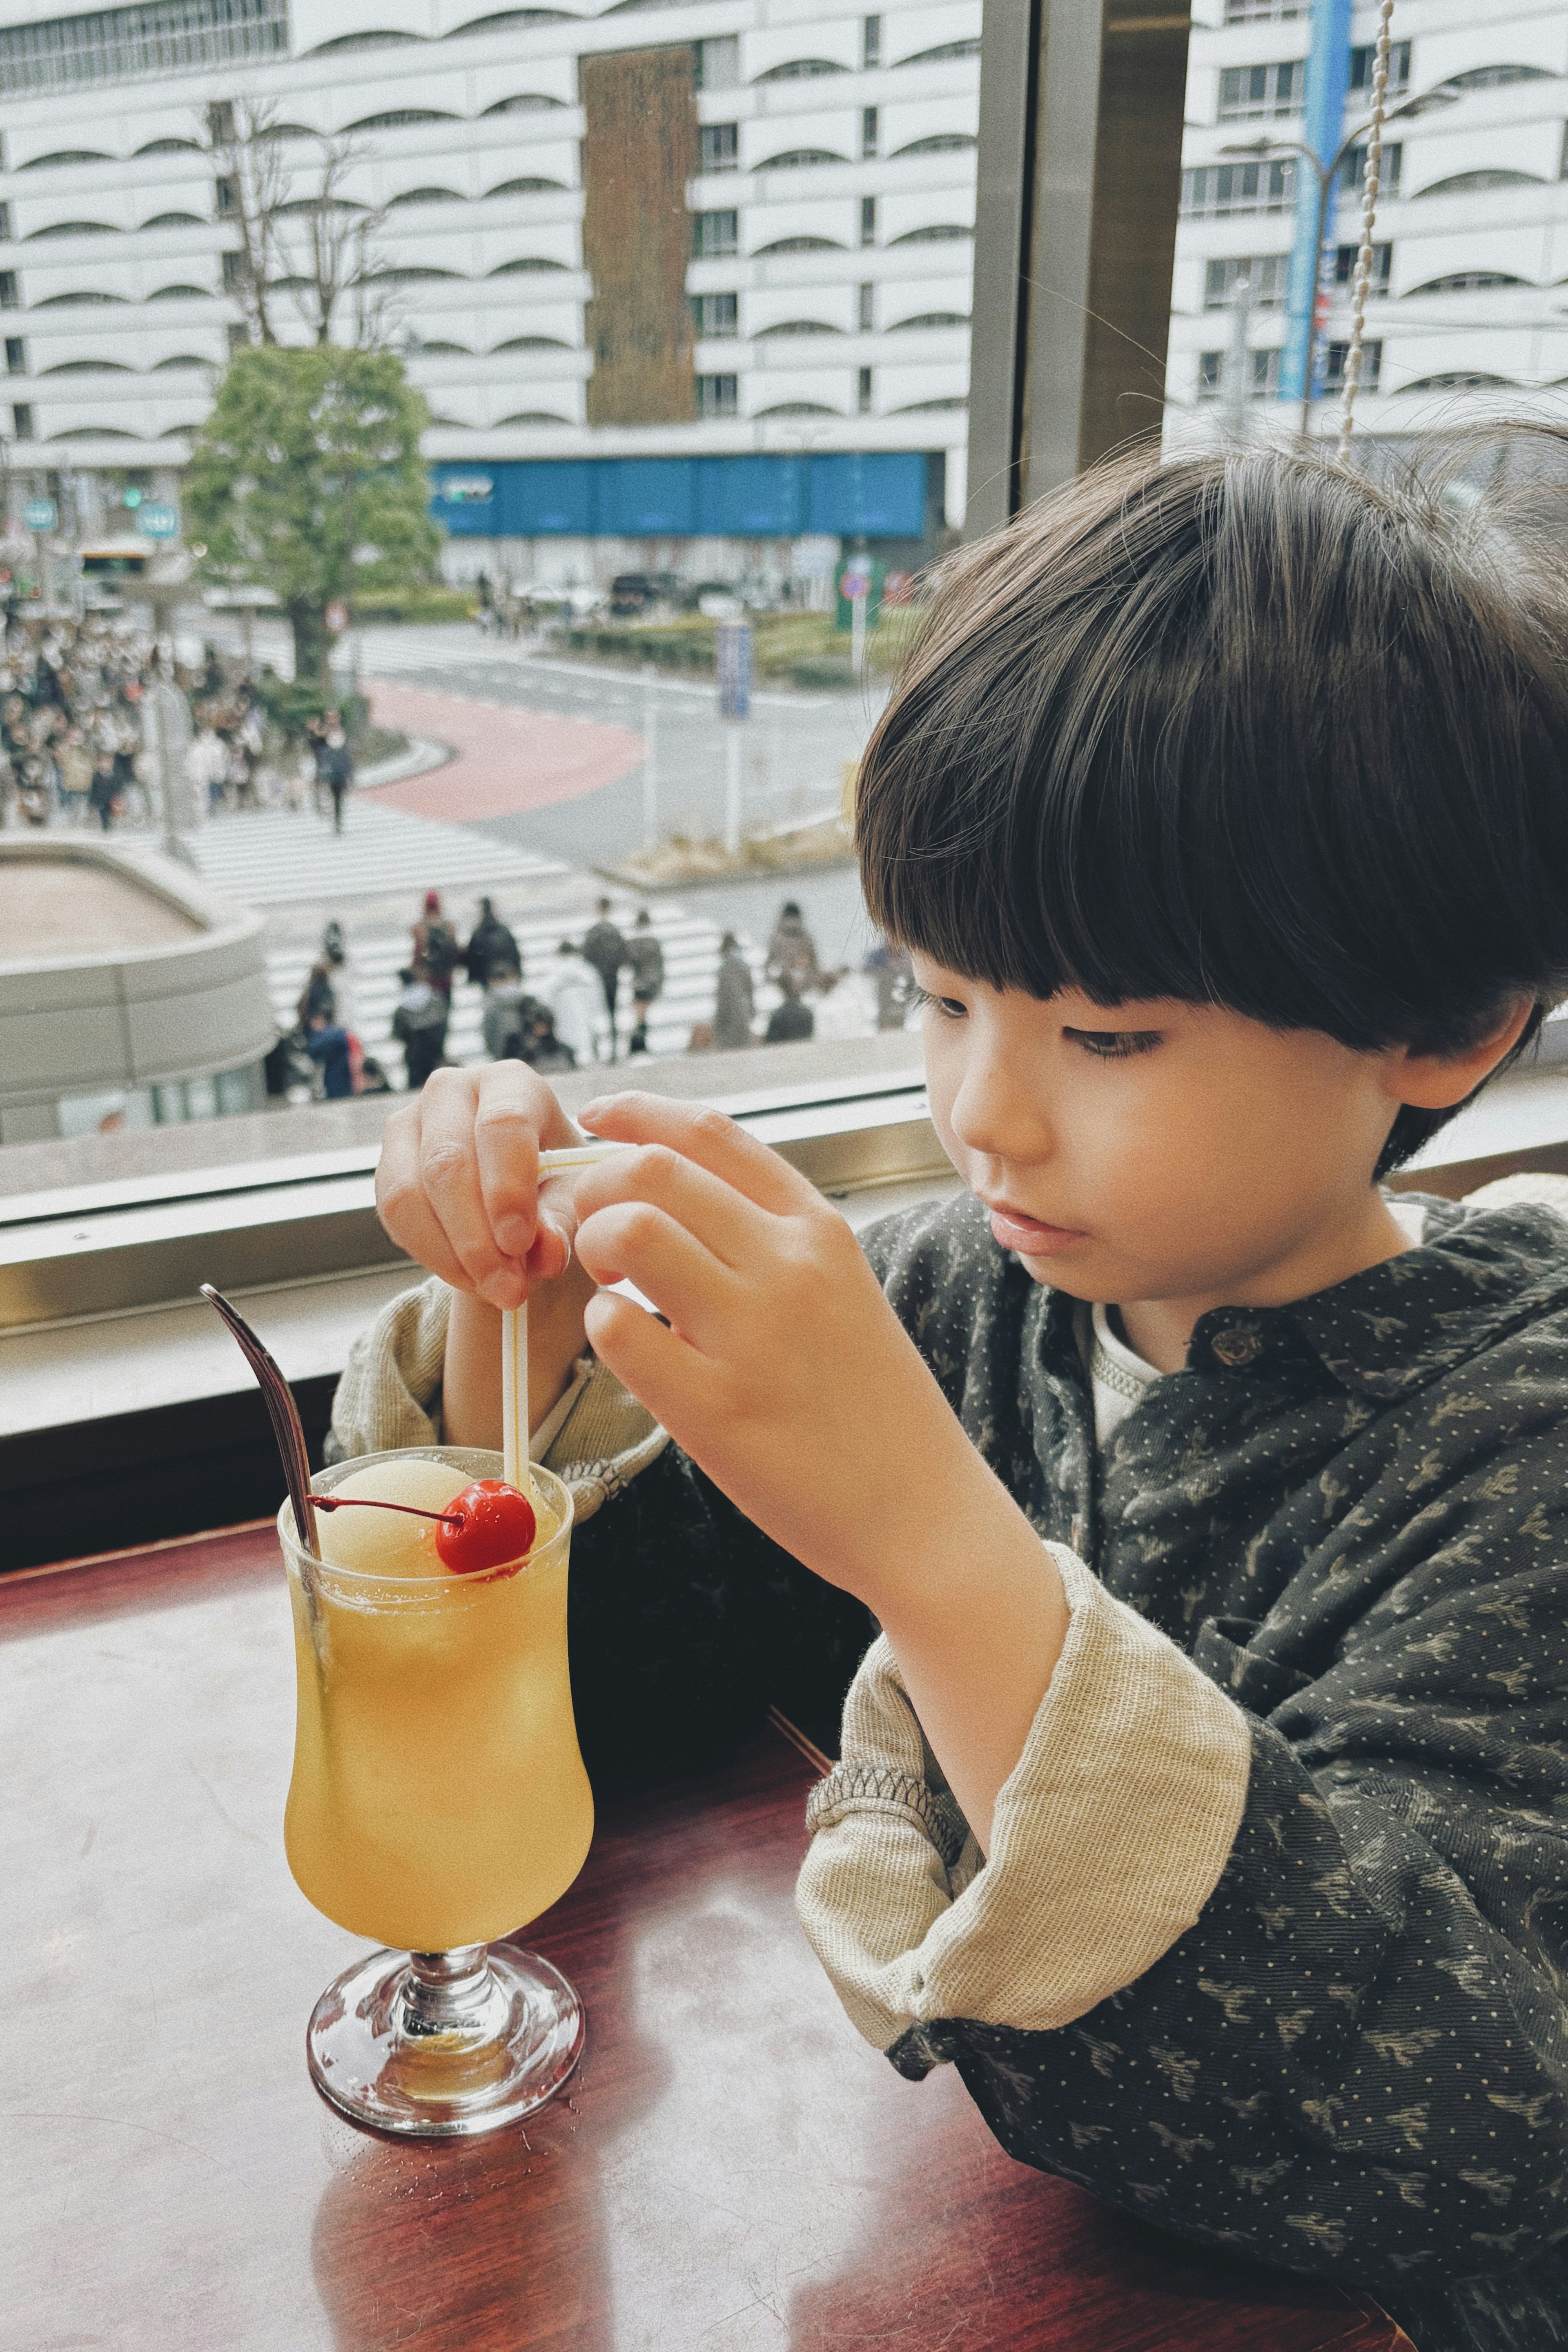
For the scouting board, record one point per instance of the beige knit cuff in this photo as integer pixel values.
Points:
(1108, 1839)
(598, 1437)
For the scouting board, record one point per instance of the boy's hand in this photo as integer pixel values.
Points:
(786, 1374)
(458, 1185)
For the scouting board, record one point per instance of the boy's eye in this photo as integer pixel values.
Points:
(948, 1006)
(1114, 1044)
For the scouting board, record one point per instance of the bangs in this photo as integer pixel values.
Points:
(1248, 730)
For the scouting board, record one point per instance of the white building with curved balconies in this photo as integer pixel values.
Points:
(826, 236)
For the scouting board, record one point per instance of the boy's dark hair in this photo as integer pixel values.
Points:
(1247, 728)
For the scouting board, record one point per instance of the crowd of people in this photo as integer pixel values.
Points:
(567, 1017)
(73, 749)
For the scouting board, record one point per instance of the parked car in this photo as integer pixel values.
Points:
(632, 593)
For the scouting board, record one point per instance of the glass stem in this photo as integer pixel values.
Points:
(445, 1992)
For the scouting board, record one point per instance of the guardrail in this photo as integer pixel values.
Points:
(102, 1249)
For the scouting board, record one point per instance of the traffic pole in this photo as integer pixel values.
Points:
(649, 764)
(732, 787)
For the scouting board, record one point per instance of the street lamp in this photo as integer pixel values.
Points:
(1327, 175)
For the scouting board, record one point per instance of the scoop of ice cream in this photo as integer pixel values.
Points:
(389, 1543)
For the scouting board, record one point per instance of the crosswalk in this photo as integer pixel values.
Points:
(690, 962)
(282, 858)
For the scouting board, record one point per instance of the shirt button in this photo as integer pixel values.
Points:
(1235, 1348)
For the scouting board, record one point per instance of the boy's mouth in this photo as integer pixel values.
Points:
(1013, 1230)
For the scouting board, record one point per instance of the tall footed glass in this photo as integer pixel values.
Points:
(438, 1803)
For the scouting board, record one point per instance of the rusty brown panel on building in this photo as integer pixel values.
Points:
(638, 152)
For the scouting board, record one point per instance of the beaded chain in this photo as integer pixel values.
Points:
(1361, 281)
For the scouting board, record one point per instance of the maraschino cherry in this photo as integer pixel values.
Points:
(489, 1526)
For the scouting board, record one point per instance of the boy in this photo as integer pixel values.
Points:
(1204, 1794)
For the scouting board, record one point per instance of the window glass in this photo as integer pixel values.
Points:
(690, 461)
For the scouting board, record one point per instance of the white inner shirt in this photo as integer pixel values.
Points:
(1119, 1376)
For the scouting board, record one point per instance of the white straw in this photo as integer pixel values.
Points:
(514, 1398)
(578, 1155)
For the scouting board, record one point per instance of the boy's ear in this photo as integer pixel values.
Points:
(1438, 1081)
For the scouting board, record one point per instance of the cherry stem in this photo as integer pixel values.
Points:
(369, 1503)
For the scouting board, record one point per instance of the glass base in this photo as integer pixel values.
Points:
(442, 2044)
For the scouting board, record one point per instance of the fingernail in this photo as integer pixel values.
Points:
(592, 1111)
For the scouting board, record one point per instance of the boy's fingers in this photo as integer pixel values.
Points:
(407, 1215)
(721, 1218)
(449, 1173)
(662, 1370)
(709, 1139)
(514, 1113)
(633, 1241)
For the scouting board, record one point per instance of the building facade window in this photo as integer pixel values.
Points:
(868, 134)
(234, 271)
(870, 42)
(10, 291)
(22, 420)
(1262, 93)
(16, 355)
(715, 235)
(715, 315)
(1262, 374)
(863, 393)
(718, 395)
(1353, 171)
(1263, 275)
(719, 147)
(867, 220)
(226, 198)
(1381, 266)
(1266, 12)
(868, 308)
(123, 44)
(1214, 190)
(1362, 61)
(1338, 359)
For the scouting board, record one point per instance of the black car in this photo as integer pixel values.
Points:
(631, 593)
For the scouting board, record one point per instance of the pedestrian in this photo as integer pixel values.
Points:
(792, 951)
(103, 793)
(436, 954)
(503, 1025)
(894, 976)
(318, 998)
(605, 949)
(790, 1021)
(419, 1025)
(74, 762)
(736, 998)
(327, 1044)
(490, 944)
(645, 956)
(206, 764)
(337, 773)
(543, 1049)
(572, 993)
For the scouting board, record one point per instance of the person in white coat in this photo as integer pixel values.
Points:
(574, 995)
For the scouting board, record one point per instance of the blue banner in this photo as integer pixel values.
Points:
(1322, 128)
(872, 494)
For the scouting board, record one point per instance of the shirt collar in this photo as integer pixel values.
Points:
(1399, 1325)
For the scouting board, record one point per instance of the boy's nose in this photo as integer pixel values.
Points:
(997, 1116)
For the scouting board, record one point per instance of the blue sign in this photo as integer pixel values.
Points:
(39, 514)
(158, 523)
(734, 669)
(882, 494)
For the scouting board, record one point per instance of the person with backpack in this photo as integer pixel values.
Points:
(491, 948)
(419, 1025)
(509, 1008)
(645, 956)
(437, 953)
(605, 947)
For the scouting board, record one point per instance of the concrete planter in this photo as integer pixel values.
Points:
(119, 969)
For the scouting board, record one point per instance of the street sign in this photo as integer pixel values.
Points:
(735, 656)
(854, 580)
(130, 499)
(39, 514)
(158, 523)
(336, 617)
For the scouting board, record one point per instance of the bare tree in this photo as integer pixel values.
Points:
(315, 242)
(251, 184)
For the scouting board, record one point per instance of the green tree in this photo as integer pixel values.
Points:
(307, 479)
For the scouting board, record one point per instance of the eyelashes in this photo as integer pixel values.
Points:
(1114, 1044)
(1104, 1044)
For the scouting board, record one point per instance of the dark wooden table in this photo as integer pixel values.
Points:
(732, 2171)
